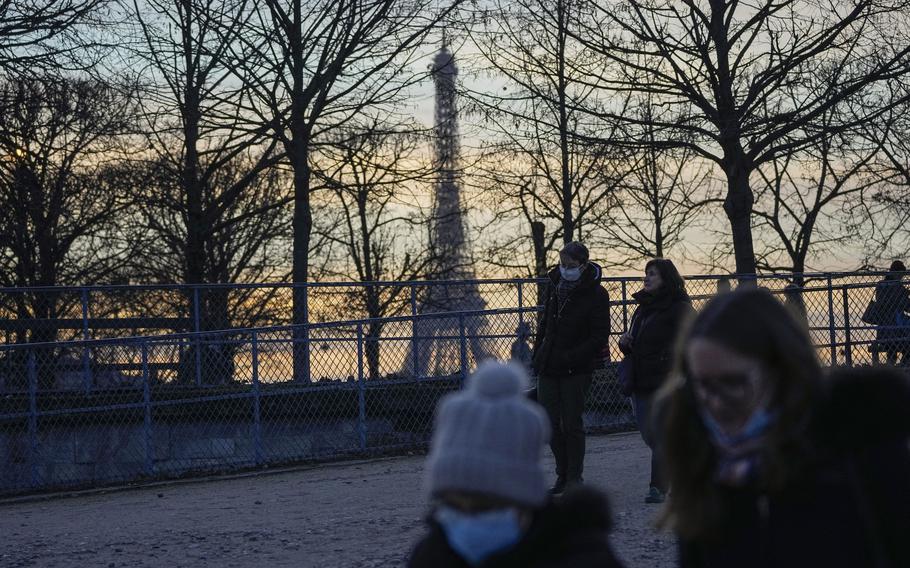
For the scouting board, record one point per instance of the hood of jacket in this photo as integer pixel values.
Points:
(590, 276)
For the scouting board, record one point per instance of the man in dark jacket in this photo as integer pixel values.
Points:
(573, 328)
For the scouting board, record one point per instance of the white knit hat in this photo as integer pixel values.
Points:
(488, 438)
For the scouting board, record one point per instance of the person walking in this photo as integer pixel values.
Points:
(490, 504)
(572, 330)
(663, 306)
(893, 300)
(772, 464)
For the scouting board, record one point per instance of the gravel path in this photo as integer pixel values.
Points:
(356, 514)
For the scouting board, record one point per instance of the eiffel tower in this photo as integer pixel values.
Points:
(436, 347)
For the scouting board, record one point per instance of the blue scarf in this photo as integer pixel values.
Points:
(739, 456)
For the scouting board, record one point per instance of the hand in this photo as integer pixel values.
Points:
(625, 340)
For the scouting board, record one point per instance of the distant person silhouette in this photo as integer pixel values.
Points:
(770, 464)
(521, 349)
(793, 299)
(893, 299)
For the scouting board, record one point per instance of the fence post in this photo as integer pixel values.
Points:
(86, 367)
(848, 339)
(832, 336)
(415, 342)
(147, 414)
(196, 337)
(361, 392)
(521, 313)
(464, 348)
(32, 372)
(257, 411)
(625, 306)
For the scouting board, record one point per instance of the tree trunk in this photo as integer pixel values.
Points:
(371, 350)
(568, 220)
(373, 331)
(738, 207)
(218, 357)
(302, 225)
(540, 258)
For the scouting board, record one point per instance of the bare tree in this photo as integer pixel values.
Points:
(886, 214)
(806, 200)
(60, 136)
(551, 168)
(655, 210)
(312, 65)
(376, 172)
(214, 206)
(192, 113)
(243, 244)
(46, 34)
(759, 77)
(60, 191)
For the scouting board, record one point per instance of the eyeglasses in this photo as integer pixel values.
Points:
(733, 389)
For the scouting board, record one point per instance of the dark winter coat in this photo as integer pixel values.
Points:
(852, 507)
(570, 533)
(655, 324)
(570, 336)
(893, 299)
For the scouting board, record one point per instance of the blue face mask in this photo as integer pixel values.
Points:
(757, 424)
(570, 274)
(476, 537)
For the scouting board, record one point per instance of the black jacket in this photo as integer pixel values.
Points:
(571, 533)
(851, 508)
(893, 299)
(655, 324)
(570, 337)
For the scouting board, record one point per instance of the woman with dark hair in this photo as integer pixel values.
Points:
(893, 300)
(663, 305)
(770, 463)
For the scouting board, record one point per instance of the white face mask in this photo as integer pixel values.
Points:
(570, 274)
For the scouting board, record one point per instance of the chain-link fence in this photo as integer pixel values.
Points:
(98, 411)
(115, 410)
(97, 312)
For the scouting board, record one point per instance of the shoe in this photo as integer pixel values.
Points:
(655, 495)
(559, 486)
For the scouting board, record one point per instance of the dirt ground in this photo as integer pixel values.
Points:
(356, 514)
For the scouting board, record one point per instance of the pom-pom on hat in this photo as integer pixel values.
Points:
(488, 438)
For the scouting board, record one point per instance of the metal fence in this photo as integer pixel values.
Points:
(40, 314)
(98, 312)
(98, 411)
(128, 413)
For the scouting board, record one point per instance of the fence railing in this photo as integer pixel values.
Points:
(250, 410)
(95, 312)
(89, 412)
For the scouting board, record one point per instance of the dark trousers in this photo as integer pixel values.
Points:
(563, 397)
(644, 417)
